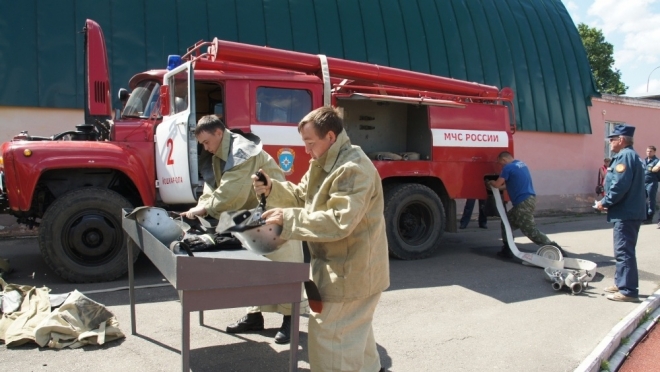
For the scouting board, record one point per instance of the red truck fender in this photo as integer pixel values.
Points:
(132, 159)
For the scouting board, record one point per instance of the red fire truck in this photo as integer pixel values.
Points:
(433, 140)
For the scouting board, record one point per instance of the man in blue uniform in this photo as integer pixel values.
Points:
(625, 201)
(651, 178)
(517, 181)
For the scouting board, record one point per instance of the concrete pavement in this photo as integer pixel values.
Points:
(463, 309)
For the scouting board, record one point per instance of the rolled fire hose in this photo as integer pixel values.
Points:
(562, 268)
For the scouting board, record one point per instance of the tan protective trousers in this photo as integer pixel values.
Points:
(341, 337)
(290, 251)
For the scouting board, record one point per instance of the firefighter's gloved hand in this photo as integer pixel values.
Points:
(225, 239)
(199, 242)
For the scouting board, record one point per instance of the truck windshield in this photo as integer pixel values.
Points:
(143, 100)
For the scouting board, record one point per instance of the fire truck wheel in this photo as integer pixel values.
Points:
(415, 220)
(81, 236)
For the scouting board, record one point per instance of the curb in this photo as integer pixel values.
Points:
(606, 348)
(622, 352)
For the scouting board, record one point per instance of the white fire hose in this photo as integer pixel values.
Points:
(573, 273)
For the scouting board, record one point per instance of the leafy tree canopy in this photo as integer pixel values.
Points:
(601, 59)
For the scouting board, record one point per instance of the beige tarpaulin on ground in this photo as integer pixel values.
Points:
(17, 327)
(77, 322)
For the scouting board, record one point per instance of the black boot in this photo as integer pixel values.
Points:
(250, 322)
(284, 334)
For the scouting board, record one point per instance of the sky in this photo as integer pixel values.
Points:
(633, 28)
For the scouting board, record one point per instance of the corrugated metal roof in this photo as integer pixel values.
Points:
(531, 46)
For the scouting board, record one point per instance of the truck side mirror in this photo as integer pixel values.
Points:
(164, 100)
(123, 95)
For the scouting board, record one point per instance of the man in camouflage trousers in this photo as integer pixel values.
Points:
(517, 180)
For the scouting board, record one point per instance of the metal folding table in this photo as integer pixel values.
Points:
(218, 280)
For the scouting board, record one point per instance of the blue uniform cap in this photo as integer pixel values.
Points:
(622, 130)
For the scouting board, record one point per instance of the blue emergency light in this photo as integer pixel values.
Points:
(173, 61)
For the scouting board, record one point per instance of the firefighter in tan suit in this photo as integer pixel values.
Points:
(338, 209)
(235, 158)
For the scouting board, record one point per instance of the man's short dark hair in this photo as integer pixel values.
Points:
(324, 119)
(651, 148)
(504, 154)
(209, 124)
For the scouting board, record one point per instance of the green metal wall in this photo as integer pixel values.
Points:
(531, 46)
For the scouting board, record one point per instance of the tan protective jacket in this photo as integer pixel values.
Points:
(235, 161)
(338, 209)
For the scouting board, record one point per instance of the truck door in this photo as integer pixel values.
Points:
(277, 109)
(176, 145)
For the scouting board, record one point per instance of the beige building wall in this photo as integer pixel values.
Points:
(37, 121)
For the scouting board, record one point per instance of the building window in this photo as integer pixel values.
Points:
(609, 127)
(278, 105)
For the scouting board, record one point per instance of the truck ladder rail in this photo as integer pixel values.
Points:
(221, 50)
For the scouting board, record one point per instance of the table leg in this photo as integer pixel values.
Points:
(293, 343)
(185, 334)
(131, 282)
(201, 318)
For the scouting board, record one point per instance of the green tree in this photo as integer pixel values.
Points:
(601, 59)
